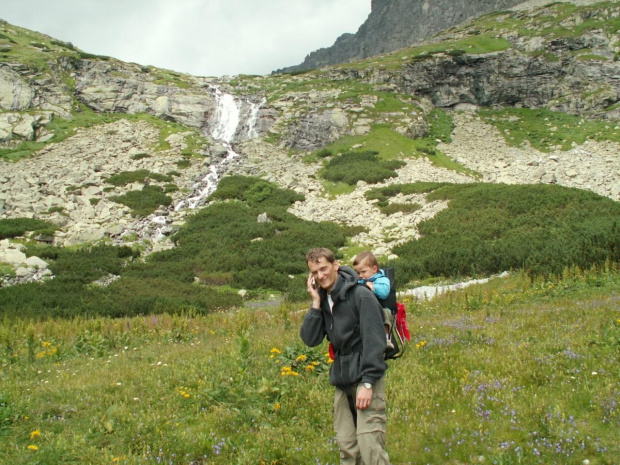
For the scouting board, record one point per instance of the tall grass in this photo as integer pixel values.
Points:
(514, 371)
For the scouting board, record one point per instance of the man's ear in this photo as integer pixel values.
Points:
(336, 265)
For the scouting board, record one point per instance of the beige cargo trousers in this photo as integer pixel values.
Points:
(364, 445)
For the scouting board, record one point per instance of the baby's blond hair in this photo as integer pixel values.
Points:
(366, 258)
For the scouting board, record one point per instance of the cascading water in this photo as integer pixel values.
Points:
(227, 119)
(225, 129)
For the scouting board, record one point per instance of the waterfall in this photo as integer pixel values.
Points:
(224, 129)
(230, 117)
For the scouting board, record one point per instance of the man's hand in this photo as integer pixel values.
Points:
(313, 290)
(364, 396)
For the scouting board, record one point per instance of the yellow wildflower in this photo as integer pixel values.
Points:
(35, 434)
(275, 351)
(46, 344)
(309, 367)
(33, 447)
(301, 358)
(277, 406)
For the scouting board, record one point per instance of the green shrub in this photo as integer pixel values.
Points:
(60, 43)
(392, 208)
(351, 167)
(493, 228)
(382, 194)
(91, 56)
(13, 227)
(227, 238)
(140, 156)
(324, 153)
(256, 192)
(145, 201)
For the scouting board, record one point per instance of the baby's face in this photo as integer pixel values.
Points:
(364, 271)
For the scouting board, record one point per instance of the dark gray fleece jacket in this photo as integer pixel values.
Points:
(355, 328)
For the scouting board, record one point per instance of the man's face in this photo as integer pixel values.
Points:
(324, 272)
(366, 271)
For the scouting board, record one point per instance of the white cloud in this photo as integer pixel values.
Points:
(201, 37)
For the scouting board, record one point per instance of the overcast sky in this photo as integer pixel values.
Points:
(200, 37)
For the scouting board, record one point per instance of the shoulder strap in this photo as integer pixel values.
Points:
(390, 300)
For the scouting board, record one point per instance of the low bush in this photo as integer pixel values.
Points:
(351, 167)
(145, 201)
(392, 208)
(140, 156)
(13, 227)
(382, 194)
(493, 228)
(254, 191)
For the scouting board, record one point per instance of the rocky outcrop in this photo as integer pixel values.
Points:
(395, 24)
(26, 268)
(573, 75)
(116, 87)
(65, 183)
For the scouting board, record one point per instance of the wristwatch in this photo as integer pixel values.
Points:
(368, 385)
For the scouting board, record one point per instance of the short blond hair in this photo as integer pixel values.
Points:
(366, 258)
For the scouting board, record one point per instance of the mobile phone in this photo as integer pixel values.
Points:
(314, 284)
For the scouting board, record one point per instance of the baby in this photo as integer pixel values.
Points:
(367, 268)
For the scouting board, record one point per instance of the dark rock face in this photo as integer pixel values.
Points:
(395, 24)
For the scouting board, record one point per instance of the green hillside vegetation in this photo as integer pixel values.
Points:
(490, 228)
(546, 130)
(541, 230)
(145, 201)
(513, 371)
(15, 227)
(222, 248)
(388, 145)
(351, 167)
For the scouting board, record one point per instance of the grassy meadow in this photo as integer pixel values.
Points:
(518, 370)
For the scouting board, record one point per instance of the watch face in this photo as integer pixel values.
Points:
(367, 385)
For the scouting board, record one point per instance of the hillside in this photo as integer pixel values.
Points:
(110, 152)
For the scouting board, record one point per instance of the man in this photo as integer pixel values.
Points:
(352, 320)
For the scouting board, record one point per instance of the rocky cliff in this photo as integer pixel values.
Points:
(395, 24)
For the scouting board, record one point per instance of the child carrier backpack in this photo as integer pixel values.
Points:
(399, 330)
